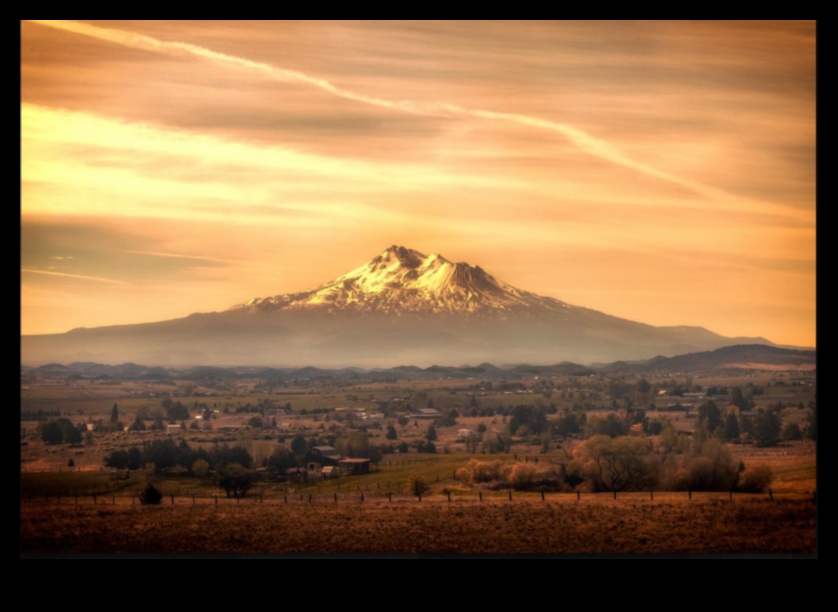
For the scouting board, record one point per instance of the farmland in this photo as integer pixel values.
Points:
(71, 502)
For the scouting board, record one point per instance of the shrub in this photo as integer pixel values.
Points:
(756, 479)
(151, 495)
(522, 476)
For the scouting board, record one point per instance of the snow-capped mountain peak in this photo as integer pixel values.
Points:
(404, 280)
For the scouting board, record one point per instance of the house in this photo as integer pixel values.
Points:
(426, 413)
(173, 428)
(324, 455)
(355, 466)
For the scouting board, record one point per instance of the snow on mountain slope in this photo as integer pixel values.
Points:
(405, 280)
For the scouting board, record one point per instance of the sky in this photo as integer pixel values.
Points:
(662, 172)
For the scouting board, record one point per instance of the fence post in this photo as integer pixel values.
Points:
(132, 500)
(113, 500)
(390, 497)
(362, 498)
(615, 493)
(336, 498)
(173, 500)
(449, 496)
(652, 494)
(193, 500)
(510, 496)
(238, 500)
(578, 495)
(770, 495)
(216, 499)
(420, 497)
(689, 493)
(309, 498)
(94, 499)
(481, 496)
(730, 495)
(542, 496)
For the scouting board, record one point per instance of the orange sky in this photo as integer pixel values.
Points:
(662, 172)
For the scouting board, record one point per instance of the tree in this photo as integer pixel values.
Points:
(416, 485)
(430, 434)
(357, 445)
(709, 416)
(151, 495)
(299, 447)
(618, 464)
(711, 467)
(138, 424)
(391, 433)
(118, 459)
(200, 468)
(60, 430)
(791, 431)
(737, 399)
(135, 459)
(766, 428)
(235, 480)
(281, 460)
(731, 427)
(115, 414)
(51, 433)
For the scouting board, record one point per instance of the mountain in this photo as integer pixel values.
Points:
(401, 307)
(402, 280)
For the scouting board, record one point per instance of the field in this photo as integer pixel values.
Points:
(72, 504)
(560, 525)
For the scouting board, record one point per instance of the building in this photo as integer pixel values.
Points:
(354, 466)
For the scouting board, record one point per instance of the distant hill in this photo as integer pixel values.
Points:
(726, 359)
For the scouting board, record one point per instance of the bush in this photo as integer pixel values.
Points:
(756, 479)
(522, 476)
(151, 495)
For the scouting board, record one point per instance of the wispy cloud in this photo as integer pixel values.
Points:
(97, 279)
(583, 141)
(181, 256)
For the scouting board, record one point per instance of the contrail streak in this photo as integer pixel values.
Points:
(578, 138)
(81, 276)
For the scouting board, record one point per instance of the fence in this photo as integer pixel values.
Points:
(389, 497)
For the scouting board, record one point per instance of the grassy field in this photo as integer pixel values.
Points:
(560, 525)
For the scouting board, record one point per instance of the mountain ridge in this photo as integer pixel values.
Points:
(400, 307)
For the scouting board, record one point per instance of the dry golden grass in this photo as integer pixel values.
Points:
(597, 524)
